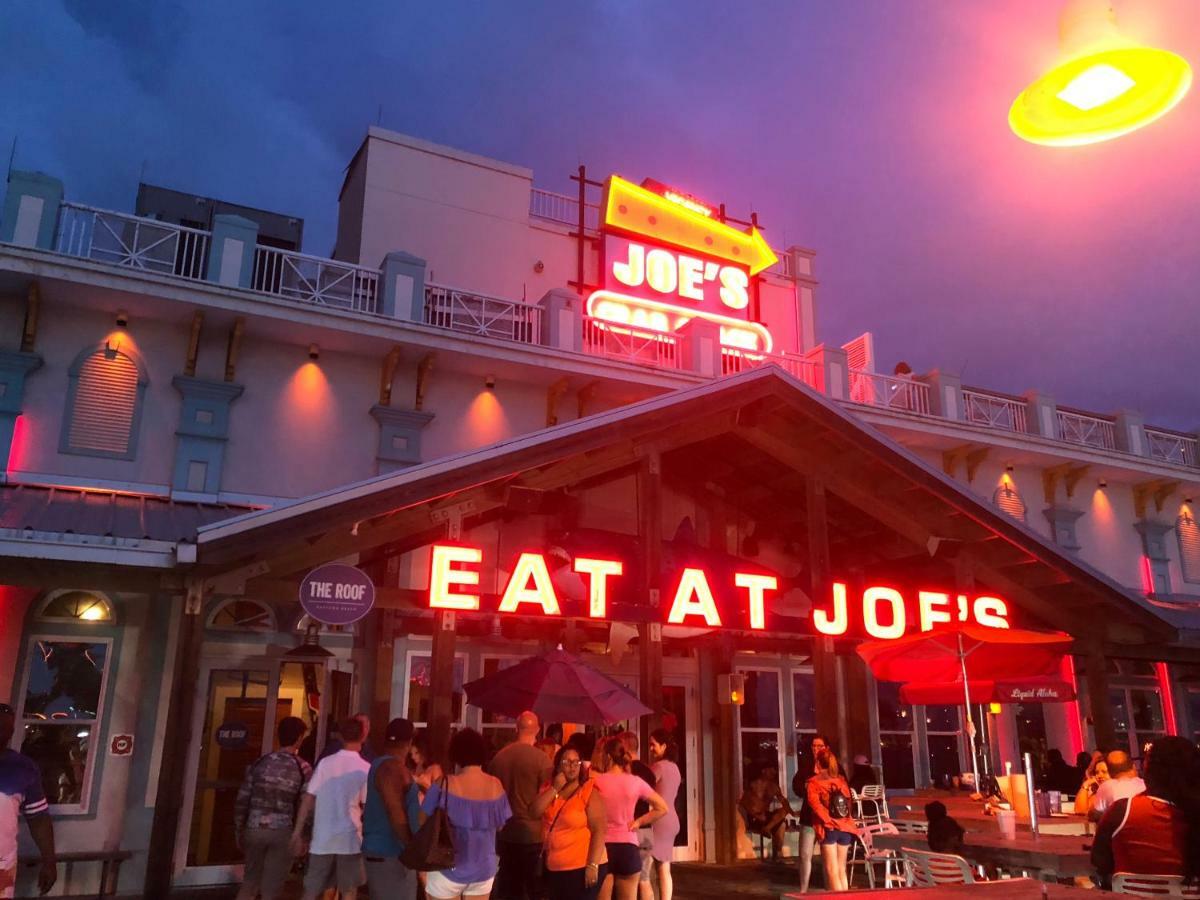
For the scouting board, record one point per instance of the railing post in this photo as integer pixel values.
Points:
(700, 347)
(806, 295)
(1129, 431)
(402, 291)
(30, 212)
(945, 394)
(562, 320)
(1041, 414)
(231, 251)
(832, 371)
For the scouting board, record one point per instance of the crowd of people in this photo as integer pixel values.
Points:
(587, 820)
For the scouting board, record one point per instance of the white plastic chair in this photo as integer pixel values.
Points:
(910, 826)
(872, 856)
(877, 797)
(928, 869)
(1153, 885)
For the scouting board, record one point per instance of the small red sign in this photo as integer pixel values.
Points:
(122, 745)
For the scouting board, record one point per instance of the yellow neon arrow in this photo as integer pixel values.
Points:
(637, 210)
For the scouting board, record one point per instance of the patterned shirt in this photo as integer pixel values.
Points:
(268, 795)
(20, 790)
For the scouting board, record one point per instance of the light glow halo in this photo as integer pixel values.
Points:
(1160, 80)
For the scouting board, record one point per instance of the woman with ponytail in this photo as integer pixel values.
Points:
(621, 790)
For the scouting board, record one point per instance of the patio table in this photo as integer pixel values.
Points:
(1003, 889)
(1060, 855)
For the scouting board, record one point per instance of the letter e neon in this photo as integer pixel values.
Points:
(928, 602)
(442, 578)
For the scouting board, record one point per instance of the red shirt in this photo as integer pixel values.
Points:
(1143, 834)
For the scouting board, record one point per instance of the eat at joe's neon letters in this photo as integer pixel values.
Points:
(454, 585)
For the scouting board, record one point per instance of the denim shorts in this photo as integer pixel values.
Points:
(840, 838)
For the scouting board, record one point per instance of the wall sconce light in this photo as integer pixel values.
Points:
(122, 318)
(995, 709)
(1103, 483)
(1010, 468)
(539, 267)
(314, 352)
(489, 382)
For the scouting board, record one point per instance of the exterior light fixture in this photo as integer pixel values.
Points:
(995, 709)
(489, 382)
(1010, 468)
(122, 318)
(731, 689)
(1103, 483)
(1106, 85)
(314, 352)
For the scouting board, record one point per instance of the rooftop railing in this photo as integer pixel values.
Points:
(312, 279)
(1091, 431)
(631, 343)
(994, 410)
(563, 209)
(889, 391)
(473, 313)
(131, 241)
(734, 360)
(1172, 446)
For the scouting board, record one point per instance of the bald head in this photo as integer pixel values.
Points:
(528, 726)
(1119, 764)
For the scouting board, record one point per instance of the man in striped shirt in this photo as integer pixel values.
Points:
(21, 791)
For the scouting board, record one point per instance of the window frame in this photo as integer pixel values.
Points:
(270, 627)
(409, 655)
(44, 604)
(135, 422)
(97, 725)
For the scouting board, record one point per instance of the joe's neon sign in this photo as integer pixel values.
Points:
(454, 584)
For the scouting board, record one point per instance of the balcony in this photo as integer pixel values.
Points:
(889, 391)
(481, 315)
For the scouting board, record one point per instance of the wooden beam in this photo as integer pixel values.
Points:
(234, 348)
(1050, 477)
(1157, 490)
(193, 347)
(424, 367)
(831, 715)
(387, 374)
(33, 307)
(650, 537)
(585, 396)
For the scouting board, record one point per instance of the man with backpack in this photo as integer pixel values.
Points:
(265, 812)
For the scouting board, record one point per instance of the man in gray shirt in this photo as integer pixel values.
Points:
(523, 769)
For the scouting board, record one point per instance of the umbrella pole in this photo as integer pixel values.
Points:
(962, 661)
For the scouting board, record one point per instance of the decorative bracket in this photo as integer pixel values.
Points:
(386, 374)
(1070, 475)
(234, 347)
(1158, 490)
(33, 305)
(972, 455)
(553, 393)
(423, 369)
(193, 348)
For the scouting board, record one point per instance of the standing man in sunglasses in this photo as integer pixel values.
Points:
(21, 790)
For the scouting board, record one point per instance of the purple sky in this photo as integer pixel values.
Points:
(873, 131)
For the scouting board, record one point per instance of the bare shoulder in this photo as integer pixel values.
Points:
(495, 787)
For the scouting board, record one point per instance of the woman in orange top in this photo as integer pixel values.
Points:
(829, 799)
(573, 823)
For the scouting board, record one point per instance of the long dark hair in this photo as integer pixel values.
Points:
(1173, 774)
(667, 739)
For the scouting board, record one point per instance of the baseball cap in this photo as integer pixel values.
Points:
(398, 731)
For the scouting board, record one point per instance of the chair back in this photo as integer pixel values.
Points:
(871, 792)
(931, 869)
(909, 826)
(1154, 885)
(866, 834)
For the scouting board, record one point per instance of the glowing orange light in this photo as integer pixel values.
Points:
(484, 421)
(694, 597)
(757, 585)
(871, 621)
(687, 203)
(620, 309)
(598, 572)
(530, 583)
(639, 211)
(443, 578)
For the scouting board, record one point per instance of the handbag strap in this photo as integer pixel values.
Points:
(554, 821)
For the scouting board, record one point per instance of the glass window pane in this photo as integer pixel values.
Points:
(941, 718)
(64, 680)
(490, 667)
(893, 715)
(1116, 698)
(1031, 731)
(943, 759)
(761, 709)
(61, 754)
(759, 749)
(804, 696)
(1147, 711)
(896, 751)
(78, 605)
(420, 673)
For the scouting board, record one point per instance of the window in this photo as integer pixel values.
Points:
(61, 713)
(761, 720)
(76, 606)
(241, 614)
(419, 673)
(1189, 546)
(497, 729)
(941, 742)
(804, 700)
(104, 401)
(1009, 500)
(896, 722)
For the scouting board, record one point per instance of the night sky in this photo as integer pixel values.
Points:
(873, 131)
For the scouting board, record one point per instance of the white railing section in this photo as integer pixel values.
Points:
(994, 411)
(889, 391)
(1092, 431)
(312, 279)
(630, 343)
(480, 314)
(734, 360)
(785, 268)
(1176, 448)
(131, 241)
(562, 208)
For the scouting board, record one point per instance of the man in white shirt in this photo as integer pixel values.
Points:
(334, 799)
(1123, 782)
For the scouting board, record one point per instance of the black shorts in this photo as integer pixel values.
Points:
(624, 859)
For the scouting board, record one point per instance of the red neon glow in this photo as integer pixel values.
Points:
(530, 583)
(840, 620)
(694, 597)
(598, 572)
(931, 611)
(677, 275)
(1168, 696)
(1074, 719)
(990, 612)
(871, 619)
(18, 449)
(443, 578)
(757, 585)
(1147, 576)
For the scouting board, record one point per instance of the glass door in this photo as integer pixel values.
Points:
(681, 718)
(760, 723)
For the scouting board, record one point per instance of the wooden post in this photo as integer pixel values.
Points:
(725, 763)
(177, 739)
(1098, 699)
(831, 716)
(385, 644)
(441, 677)
(650, 649)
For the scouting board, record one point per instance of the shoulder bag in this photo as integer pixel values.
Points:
(432, 847)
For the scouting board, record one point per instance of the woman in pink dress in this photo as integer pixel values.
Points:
(667, 778)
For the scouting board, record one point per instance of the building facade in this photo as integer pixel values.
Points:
(193, 417)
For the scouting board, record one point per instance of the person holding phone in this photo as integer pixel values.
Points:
(573, 821)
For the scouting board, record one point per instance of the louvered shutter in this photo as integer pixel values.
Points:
(1189, 548)
(106, 396)
(860, 353)
(1010, 502)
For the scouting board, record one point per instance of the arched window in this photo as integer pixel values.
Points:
(241, 614)
(104, 403)
(76, 606)
(1008, 500)
(1189, 545)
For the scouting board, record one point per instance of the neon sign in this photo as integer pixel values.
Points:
(694, 598)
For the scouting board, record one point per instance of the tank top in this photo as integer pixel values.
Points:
(378, 837)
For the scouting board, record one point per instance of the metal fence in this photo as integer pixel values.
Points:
(889, 391)
(734, 360)
(640, 345)
(994, 411)
(1172, 447)
(311, 279)
(132, 241)
(1091, 431)
(562, 208)
(480, 314)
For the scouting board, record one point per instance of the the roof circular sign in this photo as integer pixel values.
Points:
(337, 594)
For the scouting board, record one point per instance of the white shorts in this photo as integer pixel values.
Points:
(440, 887)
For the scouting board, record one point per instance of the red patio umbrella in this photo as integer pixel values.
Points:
(558, 687)
(965, 655)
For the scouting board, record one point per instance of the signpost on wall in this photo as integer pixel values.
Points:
(337, 594)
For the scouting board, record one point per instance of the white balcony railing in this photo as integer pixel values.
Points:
(131, 241)
(1092, 431)
(562, 208)
(632, 344)
(1177, 448)
(994, 411)
(312, 279)
(480, 314)
(734, 360)
(889, 391)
